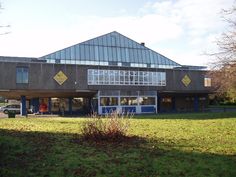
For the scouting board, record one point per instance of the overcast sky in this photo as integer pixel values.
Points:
(182, 30)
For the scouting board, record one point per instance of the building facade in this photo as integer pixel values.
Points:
(107, 73)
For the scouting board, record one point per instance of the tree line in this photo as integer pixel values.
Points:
(223, 68)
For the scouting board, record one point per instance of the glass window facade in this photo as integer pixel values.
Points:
(108, 101)
(124, 77)
(111, 48)
(147, 100)
(59, 104)
(127, 101)
(22, 75)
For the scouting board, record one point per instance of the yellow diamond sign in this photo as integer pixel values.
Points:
(186, 80)
(60, 77)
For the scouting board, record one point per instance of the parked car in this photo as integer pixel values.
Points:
(12, 107)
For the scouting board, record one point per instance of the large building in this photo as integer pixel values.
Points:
(106, 73)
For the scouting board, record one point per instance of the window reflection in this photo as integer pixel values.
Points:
(147, 100)
(87, 52)
(100, 51)
(82, 52)
(58, 55)
(77, 52)
(108, 101)
(22, 75)
(129, 101)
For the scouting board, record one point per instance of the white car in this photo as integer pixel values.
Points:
(13, 107)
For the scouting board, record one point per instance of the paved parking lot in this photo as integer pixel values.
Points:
(2, 115)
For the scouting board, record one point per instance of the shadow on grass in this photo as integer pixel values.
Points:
(57, 154)
(191, 116)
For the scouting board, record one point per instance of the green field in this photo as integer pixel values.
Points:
(165, 145)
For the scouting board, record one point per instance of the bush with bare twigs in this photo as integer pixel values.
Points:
(112, 127)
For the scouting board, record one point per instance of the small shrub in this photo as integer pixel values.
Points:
(112, 127)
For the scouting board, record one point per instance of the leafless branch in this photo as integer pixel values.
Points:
(223, 66)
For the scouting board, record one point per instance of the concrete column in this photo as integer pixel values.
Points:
(23, 110)
(196, 104)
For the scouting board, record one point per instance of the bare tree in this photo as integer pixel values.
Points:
(224, 66)
(3, 26)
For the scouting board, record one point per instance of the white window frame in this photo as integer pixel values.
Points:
(124, 77)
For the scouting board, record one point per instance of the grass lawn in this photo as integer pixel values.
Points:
(168, 145)
(222, 106)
